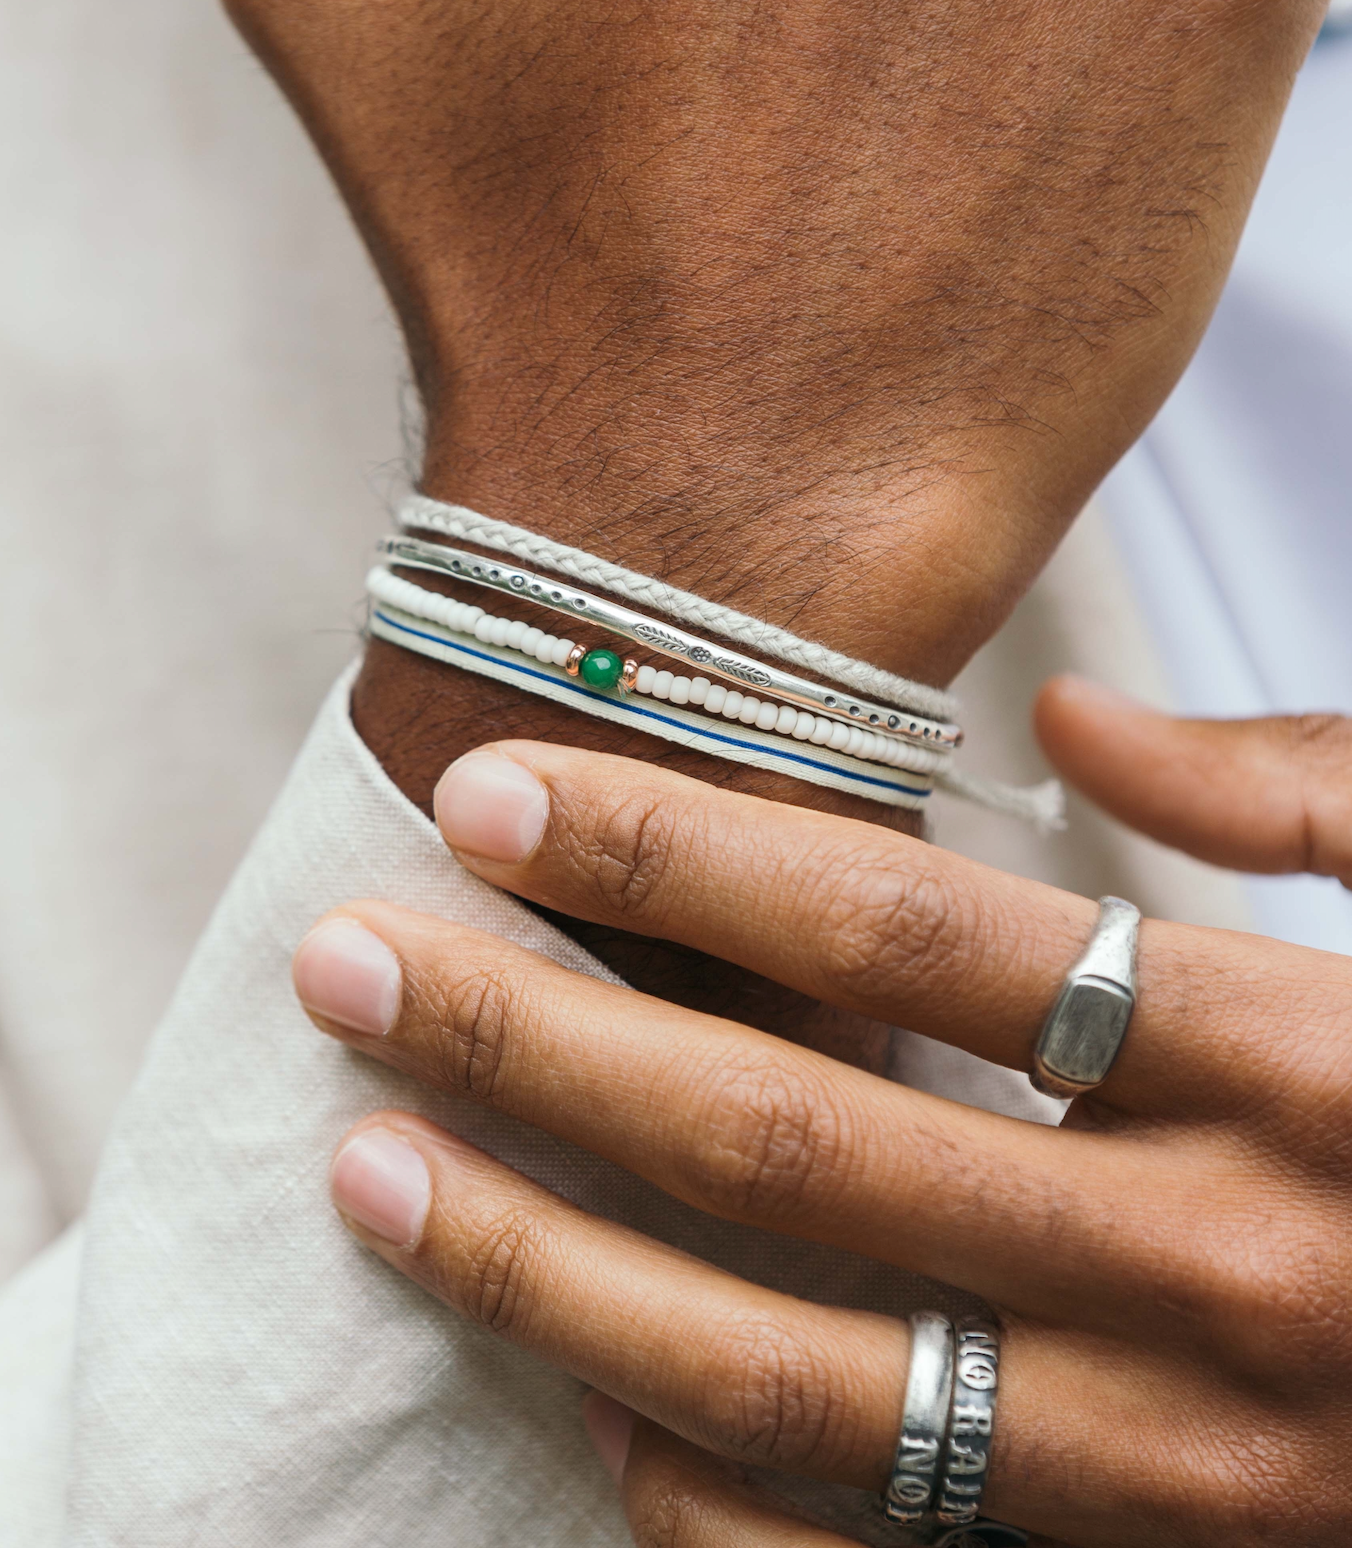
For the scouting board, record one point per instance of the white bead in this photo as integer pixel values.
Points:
(502, 627)
(544, 651)
(699, 690)
(732, 705)
(647, 676)
(529, 640)
(713, 701)
(749, 710)
(471, 617)
(766, 716)
(855, 745)
(662, 685)
(483, 629)
(803, 729)
(516, 633)
(787, 719)
(680, 690)
(821, 730)
(840, 734)
(562, 650)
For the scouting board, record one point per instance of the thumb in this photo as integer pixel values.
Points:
(1257, 795)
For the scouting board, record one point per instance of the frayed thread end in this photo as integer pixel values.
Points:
(1043, 805)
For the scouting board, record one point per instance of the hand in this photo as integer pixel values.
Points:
(1172, 1267)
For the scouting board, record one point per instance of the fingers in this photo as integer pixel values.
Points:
(1257, 795)
(736, 1368)
(747, 1127)
(879, 924)
(677, 1496)
(1087, 1446)
(882, 925)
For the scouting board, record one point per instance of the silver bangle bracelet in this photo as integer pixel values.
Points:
(669, 640)
(924, 1419)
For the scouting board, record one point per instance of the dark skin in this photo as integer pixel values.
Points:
(837, 312)
(834, 312)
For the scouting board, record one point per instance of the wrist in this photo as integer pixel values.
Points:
(911, 580)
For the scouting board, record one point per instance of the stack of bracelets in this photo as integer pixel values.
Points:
(872, 734)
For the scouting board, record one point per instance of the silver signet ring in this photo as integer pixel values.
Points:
(1085, 1027)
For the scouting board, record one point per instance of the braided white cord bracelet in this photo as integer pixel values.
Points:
(461, 522)
(550, 650)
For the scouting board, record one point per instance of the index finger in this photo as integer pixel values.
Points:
(873, 921)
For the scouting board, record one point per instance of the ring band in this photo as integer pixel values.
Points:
(924, 1419)
(967, 1456)
(1085, 1027)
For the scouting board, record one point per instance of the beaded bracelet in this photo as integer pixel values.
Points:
(739, 744)
(670, 640)
(603, 669)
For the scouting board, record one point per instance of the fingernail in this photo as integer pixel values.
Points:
(382, 1182)
(610, 1428)
(345, 973)
(491, 806)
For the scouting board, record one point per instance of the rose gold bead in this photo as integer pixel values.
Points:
(629, 676)
(574, 660)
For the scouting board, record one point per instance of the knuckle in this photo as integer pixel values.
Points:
(1274, 1297)
(890, 930)
(624, 855)
(474, 1014)
(1320, 735)
(501, 1268)
(1319, 747)
(772, 1146)
(671, 1511)
(769, 1402)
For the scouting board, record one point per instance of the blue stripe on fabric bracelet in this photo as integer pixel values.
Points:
(757, 748)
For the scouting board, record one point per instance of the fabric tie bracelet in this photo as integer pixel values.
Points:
(884, 737)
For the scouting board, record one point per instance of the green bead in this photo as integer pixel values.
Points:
(601, 669)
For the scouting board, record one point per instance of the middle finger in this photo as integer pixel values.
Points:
(753, 1129)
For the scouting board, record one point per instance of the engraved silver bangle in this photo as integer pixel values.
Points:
(967, 1454)
(924, 1419)
(670, 640)
(1086, 1025)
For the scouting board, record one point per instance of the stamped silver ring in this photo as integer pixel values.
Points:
(1085, 1027)
(967, 1454)
(924, 1419)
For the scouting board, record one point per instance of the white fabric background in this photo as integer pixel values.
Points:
(198, 390)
